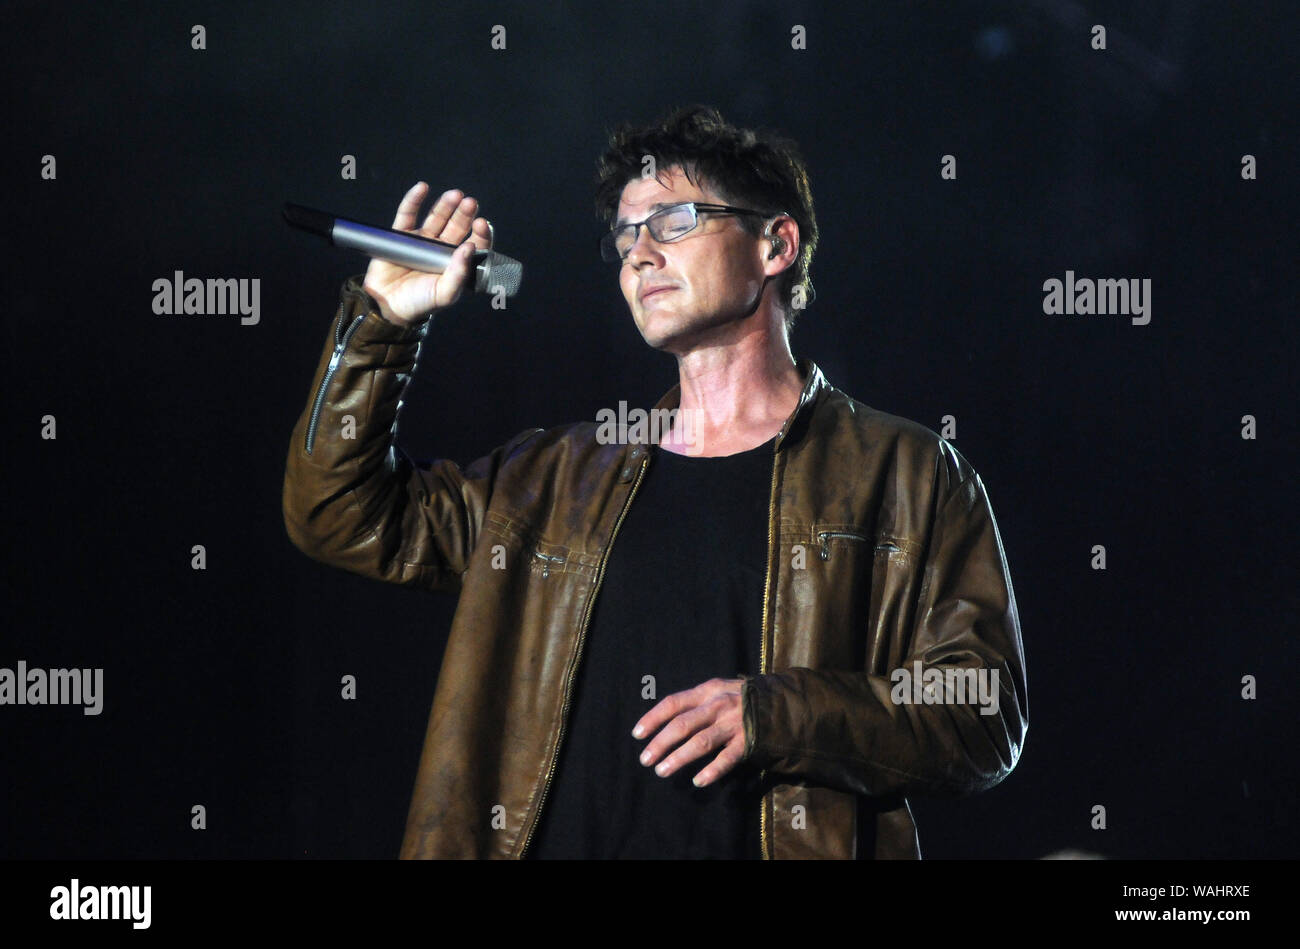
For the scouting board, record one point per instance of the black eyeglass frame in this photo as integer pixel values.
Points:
(609, 251)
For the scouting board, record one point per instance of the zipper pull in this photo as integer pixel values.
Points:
(547, 560)
(825, 538)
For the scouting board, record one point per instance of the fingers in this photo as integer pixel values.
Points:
(482, 233)
(666, 708)
(704, 734)
(451, 218)
(671, 705)
(726, 761)
(410, 207)
(718, 736)
(444, 212)
(479, 233)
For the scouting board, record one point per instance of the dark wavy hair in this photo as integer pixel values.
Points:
(757, 169)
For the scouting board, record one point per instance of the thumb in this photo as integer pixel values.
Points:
(457, 273)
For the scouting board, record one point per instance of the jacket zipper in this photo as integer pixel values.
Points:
(582, 636)
(825, 538)
(763, 846)
(340, 343)
(547, 560)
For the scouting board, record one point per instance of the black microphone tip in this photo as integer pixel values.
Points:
(309, 219)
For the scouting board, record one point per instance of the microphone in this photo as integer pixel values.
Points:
(491, 270)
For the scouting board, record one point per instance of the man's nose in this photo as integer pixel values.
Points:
(644, 248)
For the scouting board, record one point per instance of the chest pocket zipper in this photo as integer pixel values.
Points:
(824, 537)
(547, 560)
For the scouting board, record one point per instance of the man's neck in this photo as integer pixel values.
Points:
(734, 396)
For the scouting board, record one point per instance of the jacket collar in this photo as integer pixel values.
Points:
(814, 383)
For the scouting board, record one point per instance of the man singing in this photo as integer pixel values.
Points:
(756, 635)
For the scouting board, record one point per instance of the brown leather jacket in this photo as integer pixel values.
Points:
(883, 552)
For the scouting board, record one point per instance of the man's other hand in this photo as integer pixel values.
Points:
(699, 721)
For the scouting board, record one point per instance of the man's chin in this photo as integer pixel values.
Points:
(668, 341)
(676, 335)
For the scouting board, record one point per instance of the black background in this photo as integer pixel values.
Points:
(222, 685)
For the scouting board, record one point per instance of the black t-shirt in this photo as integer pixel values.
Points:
(682, 601)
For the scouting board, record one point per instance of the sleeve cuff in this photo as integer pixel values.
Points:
(375, 328)
(747, 698)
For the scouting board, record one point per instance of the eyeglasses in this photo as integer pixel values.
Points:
(665, 226)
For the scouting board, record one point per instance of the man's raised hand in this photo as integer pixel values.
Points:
(404, 295)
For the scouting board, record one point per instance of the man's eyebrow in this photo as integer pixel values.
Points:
(658, 206)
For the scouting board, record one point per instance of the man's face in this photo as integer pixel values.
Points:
(711, 277)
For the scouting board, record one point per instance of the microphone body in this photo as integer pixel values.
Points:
(492, 271)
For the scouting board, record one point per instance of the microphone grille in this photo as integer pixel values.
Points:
(498, 270)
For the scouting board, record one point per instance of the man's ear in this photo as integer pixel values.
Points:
(781, 234)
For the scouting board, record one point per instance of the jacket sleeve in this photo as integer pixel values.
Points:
(860, 732)
(352, 498)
